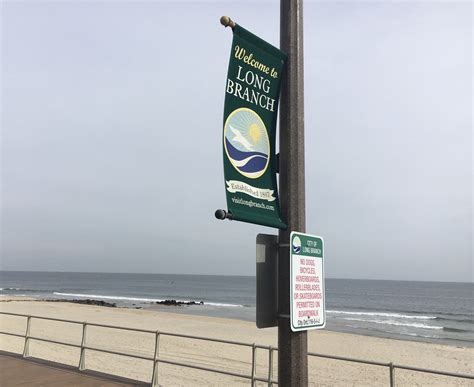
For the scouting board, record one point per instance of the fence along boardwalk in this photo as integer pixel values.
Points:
(252, 377)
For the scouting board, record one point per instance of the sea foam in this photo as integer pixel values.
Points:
(382, 314)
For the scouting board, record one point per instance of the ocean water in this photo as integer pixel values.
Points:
(423, 311)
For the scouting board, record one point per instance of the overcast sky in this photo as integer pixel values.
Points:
(111, 137)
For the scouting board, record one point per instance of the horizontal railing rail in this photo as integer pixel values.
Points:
(156, 358)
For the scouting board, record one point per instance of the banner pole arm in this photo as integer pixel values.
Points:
(226, 21)
(223, 214)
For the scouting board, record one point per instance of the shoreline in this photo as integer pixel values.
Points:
(426, 355)
(247, 314)
(437, 313)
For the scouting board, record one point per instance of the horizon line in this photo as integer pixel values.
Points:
(225, 275)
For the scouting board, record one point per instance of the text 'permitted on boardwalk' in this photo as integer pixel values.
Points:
(307, 282)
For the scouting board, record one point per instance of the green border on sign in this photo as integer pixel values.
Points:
(320, 245)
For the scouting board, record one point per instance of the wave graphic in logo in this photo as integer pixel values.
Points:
(296, 244)
(246, 143)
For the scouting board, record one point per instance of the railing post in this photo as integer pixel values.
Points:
(392, 375)
(154, 377)
(270, 366)
(254, 353)
(26, 346)
(82, 359)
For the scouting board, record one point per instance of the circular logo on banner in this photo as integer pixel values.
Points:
(246, 143)
(296, 244)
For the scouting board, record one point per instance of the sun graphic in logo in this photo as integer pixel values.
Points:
(254, 132)
(246, 143)
(296, 244)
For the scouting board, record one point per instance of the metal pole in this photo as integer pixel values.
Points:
(254, 366)
(26, 346)
(392, 375)
(270, 366)
(82, 358)
(293, 346)
(154, 377)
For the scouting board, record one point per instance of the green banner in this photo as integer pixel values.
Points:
(250, 116)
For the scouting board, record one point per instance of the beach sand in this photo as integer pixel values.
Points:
(322, 372)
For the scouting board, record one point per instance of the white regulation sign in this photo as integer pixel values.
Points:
(307, 282)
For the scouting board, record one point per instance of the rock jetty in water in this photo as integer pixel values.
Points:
(87, 302)
(179, 303)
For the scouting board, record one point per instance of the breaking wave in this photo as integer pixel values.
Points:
(382, 314)
(393, 322)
